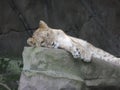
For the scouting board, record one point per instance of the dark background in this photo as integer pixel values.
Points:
(97, 21)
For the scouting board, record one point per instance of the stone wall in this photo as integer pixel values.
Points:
(97, 21)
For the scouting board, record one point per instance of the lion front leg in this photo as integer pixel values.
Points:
(74, 50)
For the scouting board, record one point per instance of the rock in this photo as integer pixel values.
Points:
(49, 69)
(12, 31)
(55, 69)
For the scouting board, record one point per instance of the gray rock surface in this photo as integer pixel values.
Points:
(55, 69)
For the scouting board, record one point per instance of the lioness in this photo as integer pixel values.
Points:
(55, 38)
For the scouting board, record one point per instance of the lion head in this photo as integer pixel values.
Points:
(41, 36)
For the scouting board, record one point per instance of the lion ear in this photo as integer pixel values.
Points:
(42, 24)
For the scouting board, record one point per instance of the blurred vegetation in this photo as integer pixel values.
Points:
(10, 70)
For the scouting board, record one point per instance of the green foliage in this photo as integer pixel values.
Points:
(3, 64)
(10, 70)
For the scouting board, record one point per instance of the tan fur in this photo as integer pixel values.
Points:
(56, 38)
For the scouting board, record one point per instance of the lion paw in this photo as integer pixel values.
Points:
(76, 53)
(55, 44)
